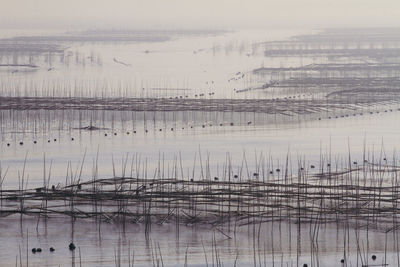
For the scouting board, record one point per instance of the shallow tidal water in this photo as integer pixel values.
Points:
(373, 136)
(190, 66)
(275, 244)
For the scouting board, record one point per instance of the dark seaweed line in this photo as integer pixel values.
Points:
(212, 202)
(271, 106)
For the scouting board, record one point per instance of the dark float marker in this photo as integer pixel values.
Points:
(72, 246)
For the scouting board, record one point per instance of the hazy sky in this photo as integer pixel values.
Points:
(201, 13)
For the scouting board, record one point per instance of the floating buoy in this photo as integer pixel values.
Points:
(71, 246)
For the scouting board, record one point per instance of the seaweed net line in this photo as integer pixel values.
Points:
(364, 195)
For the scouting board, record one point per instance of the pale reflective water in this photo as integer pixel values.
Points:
(269, 244)
(188, 65)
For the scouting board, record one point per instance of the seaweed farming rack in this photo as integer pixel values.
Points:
(366, 195)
